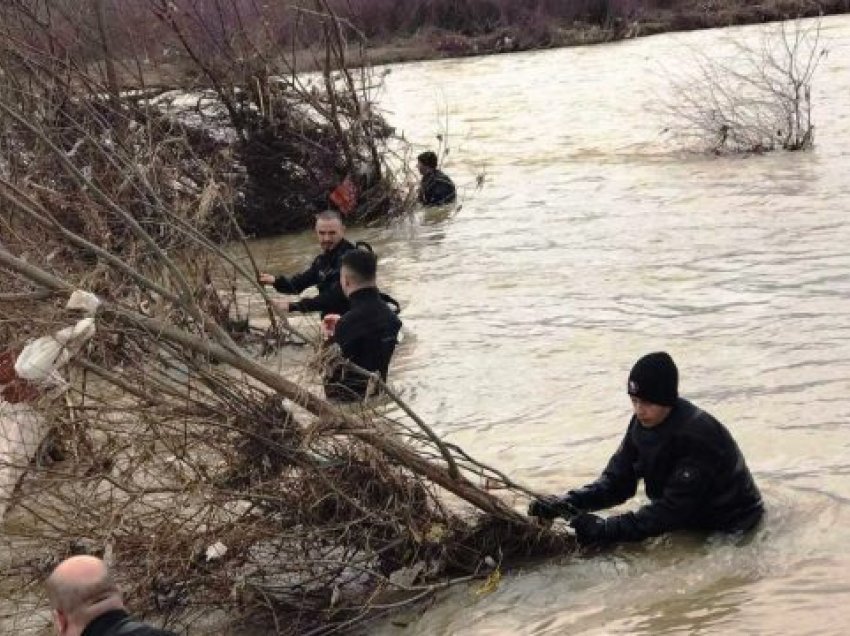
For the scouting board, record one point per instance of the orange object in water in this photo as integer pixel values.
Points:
(344, 196)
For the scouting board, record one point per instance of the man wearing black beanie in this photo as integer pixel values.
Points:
(693, 471)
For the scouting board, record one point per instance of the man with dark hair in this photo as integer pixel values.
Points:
(436, 188)
(694, 473)
(87, 602)
(367, 334)
(323, 273)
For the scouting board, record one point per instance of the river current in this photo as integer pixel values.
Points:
(592, 241)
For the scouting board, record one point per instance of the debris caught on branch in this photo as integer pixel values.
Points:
(222, 490)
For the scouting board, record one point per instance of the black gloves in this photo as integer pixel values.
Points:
(551, 507)
(590, 529)
(543, 508)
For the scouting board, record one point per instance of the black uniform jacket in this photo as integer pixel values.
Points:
(324, 274)
(694, 473)
(366, 336)
(436, 189)
(119, 623)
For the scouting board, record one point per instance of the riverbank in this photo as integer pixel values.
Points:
(432, 43)
(381, 37)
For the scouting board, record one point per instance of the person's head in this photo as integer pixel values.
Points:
(426, 162)
(80, 589)
(330, 229)
(359, 270)
(654, 388)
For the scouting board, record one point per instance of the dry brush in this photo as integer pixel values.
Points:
(224, 490)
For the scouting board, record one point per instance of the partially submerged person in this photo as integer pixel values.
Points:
(367, 334)
(86, 601)
(323, 272)
(694, 473)
(436, 188)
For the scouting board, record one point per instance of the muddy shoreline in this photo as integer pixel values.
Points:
(431, 43)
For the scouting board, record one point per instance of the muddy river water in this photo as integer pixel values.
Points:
(591, 242)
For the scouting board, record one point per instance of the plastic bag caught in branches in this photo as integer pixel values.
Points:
(84, 301)
(41, 359)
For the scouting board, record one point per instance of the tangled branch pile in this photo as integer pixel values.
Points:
(241, 130)
(218, 505)
(224, 491)
(179, 460)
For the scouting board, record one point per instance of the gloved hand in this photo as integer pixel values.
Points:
(551, 507)
(590, 529)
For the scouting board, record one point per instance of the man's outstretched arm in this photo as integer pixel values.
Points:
(681, 499)
(616, 484)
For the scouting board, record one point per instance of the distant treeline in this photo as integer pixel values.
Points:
(139, 27)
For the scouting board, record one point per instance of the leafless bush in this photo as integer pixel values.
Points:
(757, 100)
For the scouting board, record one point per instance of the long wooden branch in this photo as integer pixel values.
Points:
(319, 407)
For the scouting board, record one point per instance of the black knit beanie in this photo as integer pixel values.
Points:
(655, 378)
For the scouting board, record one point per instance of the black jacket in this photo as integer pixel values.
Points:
(324, 274)
(366, 336)
(436, 189)
(694, 473)
(119, 623)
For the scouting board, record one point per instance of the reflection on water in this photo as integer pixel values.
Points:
(591, 244)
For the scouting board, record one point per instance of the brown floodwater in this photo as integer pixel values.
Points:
(593, 241)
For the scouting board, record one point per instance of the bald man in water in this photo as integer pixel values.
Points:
(86, 601)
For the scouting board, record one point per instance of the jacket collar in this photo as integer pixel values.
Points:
(104, 622)
(341, 248)
(364, 294)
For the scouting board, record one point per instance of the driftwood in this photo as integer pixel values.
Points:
(221, 486)
(387, 480)
(330, 414)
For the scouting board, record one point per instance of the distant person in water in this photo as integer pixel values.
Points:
(86, 601)
(436, 188)
(693, 471)
(367, 334)
(323, 272)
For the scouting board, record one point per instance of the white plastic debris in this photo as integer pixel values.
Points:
(77, 145)
(405, 577)
(216, 551)
(42, 357)
(21, 432)
(21, 427)
(84, 301)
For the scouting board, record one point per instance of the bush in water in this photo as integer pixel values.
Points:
(757, 100)
(265, 144)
